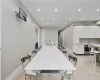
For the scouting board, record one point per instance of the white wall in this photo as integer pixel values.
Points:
(42, 36)
(37, 35)
(0, 39)
(18, 37)
(67, 38)
(49, 34)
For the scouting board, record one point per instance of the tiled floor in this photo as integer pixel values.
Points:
(85, 71)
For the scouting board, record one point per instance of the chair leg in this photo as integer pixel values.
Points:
(30, 77)
(25, 77)
(69, 78)
(41, 78)
(36, 78)
(75, 63)
(69, 59)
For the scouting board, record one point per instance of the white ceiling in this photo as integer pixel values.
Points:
(66, 9)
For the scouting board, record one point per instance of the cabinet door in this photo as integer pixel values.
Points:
(78, 49)
(97, 32)
(87, 32)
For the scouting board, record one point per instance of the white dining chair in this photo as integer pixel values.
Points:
(25, 60)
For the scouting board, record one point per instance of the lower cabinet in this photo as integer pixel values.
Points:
(78, 48)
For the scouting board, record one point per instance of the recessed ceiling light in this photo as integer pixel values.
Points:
(82, 18)
(56, 10)
(98, 18)
(53, 18)
(79, 10)
(97, 10)
(41, 18)
(52, 23)
(65, 23)
(38, 9)
(70, 18)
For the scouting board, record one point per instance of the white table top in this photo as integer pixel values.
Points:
(50, 58)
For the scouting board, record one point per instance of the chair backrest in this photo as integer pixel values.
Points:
(73, 59)
(24, 61)
(29, 55)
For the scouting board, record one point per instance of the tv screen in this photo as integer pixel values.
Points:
(22, 14)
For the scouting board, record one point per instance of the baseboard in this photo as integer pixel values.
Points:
(15, 74)
(81, 54)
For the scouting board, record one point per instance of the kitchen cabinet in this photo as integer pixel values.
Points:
(78, 48)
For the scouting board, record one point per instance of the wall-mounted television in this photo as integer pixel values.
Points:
(22, 14)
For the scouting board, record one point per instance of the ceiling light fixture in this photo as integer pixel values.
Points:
(97, 10)
(52, 23)
(53, 18)
(70, 18)
(98, 18)
(41, 18)
(82, 18)
(65, 23)
(55, 10)
(38, 9)
(79, 10)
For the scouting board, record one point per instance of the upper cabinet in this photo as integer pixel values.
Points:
(85, 32)
(97, 32)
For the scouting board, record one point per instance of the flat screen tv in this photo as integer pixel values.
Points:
(22, 14)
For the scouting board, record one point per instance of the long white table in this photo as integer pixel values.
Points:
(50, 58)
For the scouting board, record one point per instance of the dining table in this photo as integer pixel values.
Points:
(50, 59)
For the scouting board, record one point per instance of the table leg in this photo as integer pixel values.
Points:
(49, 76)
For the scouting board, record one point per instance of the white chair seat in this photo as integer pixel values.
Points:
(31, 73)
